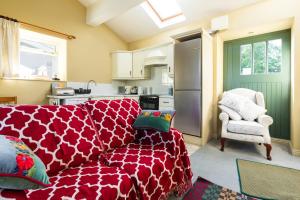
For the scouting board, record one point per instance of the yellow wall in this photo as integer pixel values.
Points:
(88, 55)
(263, 17)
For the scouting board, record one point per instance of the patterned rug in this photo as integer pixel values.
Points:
(205, 190)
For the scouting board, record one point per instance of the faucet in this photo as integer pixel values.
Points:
(89, 82)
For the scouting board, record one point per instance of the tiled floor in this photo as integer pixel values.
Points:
(220, 167)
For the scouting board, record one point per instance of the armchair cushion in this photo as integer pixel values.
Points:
(245, 127)
(232, 114)
(242, 105)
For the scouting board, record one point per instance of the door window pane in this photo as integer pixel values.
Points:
(274, 56)
(259, 57)
(246, 59)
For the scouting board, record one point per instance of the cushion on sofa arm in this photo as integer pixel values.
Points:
(114, 120)
(89, 181)
(173, 143)
(245, 127)
(20, 168)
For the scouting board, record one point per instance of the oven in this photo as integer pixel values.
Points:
(149, 102)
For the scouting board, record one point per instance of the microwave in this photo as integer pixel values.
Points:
(149, 102)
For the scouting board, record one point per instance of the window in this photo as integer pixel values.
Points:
(163, 13)
(246, 59)
(261, 57)
(41, 56)
(274, 56)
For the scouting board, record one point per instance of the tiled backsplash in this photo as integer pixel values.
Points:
(159, 81)
(99, 88)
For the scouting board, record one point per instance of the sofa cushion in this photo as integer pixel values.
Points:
(242, 105)
(31, 124)
(20, 168)
(151, 167)
(89, 181)
(245, 127)
(155, 119)
(62, 136)
(114, 120)
(79, 139)
(232, 114)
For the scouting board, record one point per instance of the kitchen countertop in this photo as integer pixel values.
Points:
(100, 95)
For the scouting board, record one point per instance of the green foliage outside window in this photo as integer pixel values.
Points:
(264, 55)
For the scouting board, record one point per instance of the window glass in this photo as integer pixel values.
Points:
(259, 57)
(274, 56)
(41, 56)
(38, 60)
(246, 59)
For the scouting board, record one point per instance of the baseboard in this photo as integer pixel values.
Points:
(281, 141)
(192, 140)
(295, 152)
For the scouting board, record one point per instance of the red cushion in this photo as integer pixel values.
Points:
(62, 136)
(89, 181)
(79, 140)
(114, 120)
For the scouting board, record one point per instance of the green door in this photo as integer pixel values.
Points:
(263, 63)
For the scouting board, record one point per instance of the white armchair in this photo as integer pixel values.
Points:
(250, 131)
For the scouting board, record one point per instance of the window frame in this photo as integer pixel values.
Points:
(266, 41)
(59, 43)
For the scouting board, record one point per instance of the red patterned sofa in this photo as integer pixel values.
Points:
(92, 152)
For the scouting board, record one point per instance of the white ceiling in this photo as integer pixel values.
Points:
(135, 24)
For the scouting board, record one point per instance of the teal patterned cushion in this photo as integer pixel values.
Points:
(155, 119)
(20, 168)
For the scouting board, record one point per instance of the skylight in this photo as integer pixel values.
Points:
(164, 13)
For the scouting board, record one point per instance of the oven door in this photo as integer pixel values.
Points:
(149, 102)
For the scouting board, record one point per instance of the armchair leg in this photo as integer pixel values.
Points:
(268, 149)
(222, 144)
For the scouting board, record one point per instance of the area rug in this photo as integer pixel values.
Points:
(268, 181)
(205, 190)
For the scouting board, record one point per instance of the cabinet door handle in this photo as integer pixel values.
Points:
(130, 72)
(141, 72)
(169, 69)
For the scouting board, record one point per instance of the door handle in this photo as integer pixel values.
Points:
(141, 72)
(130, 72)
(169, 69)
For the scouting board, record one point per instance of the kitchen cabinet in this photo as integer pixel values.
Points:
(127, 65)
(103, 98)
(121, 65)
(166, 103)
(74, 101)
(139, 71)
(170, 59)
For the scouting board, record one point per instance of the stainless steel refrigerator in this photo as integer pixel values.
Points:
(187, 87)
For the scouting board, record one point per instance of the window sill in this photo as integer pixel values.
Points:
(32, 79)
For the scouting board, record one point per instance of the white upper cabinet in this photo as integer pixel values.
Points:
(139, 70)
(122, 65)
(170, 58)
(131, 65)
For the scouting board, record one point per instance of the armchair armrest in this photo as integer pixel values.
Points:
(265, 120)
(224, 117)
